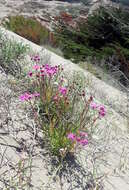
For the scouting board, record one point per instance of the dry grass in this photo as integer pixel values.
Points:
(28, 28)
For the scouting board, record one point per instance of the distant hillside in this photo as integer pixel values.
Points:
(86, 2)
(124, 2)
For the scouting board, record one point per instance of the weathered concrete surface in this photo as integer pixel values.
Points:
(109, 151)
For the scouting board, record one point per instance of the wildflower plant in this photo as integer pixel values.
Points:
(67, 115)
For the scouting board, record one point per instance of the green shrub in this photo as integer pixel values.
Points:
(104, 34)
(101, 30)
(11, 53)
(28, 28)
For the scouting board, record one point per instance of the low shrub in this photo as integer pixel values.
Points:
(28, 28)
(102, 35)
(66, 114)
(11, 53)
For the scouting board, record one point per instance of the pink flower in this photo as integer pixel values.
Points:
(93, 105)
(84, 142)
(55, 98)
(42, 76)
(101, 108)
(42, 71)
(71, 136)
(63, 90)
(50, 71)
(78, 139)
(46, 70)
(36, 94)
(22, 98)
(36, 67)
(26, 96)
(30, 74)
(46, 66)
(102, 111)
(83, 134)
(82, 138)
(35, 58)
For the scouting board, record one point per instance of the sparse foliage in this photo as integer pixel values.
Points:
(28, 28)
(11, 52)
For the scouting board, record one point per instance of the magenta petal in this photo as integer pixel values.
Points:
(84, 142)
(71, 136)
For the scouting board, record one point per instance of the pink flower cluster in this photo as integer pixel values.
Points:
(27, 96)
(100, 108)
(36, 67)
(63, 90)
(80, 139)
(44, 70)
(50, 70)
(35, 58)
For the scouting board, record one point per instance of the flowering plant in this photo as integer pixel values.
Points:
(65, 111)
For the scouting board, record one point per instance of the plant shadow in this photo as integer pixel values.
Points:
(72, 175)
